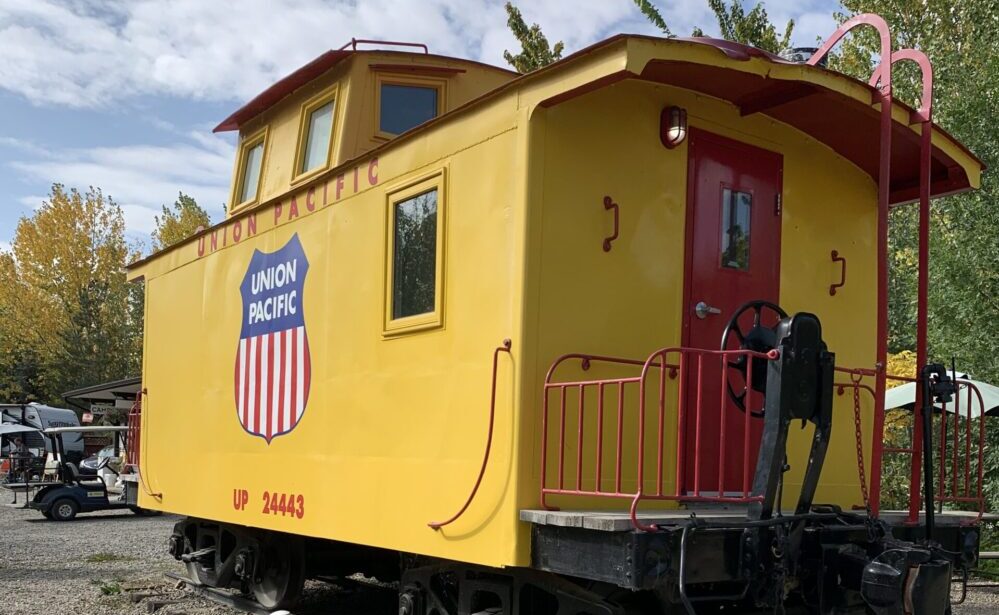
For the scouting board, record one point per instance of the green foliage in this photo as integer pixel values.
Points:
(67, 317)
(653, 15)
(105, 557)
(179, 223)
(752, 28)
(535, 49)
(959, 38)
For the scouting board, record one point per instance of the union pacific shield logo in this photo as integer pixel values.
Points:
(273, 366)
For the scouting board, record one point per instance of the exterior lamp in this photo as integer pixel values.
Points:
(672, 126)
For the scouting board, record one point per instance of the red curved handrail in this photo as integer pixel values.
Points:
(436, 525)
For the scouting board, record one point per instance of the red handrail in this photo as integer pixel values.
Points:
(688, 365)
(962, 490)
(436, 525)
(352, 43)
(134, 432)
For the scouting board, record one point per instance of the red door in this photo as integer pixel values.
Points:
(733, 256)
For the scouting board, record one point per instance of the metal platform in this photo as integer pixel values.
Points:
(611, 521)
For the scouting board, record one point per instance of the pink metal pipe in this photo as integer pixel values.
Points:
(883, 74)
(925, 116)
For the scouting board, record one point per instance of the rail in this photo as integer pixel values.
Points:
(678, 391)
(959, 462)
(134, 432)
(354, 42)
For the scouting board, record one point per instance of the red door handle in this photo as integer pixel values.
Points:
(610, 204)
(842, 276)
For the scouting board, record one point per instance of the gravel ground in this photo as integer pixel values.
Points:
(90, 565)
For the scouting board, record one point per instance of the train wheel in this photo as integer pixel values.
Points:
(197, 572)
(280, 573)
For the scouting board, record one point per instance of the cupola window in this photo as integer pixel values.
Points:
(246, 188)
(315, 139)
(406, 106)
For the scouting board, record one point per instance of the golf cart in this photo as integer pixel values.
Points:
(75, 493)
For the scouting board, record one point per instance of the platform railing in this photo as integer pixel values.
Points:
(134, 433)
(959, 454)
(590, 458)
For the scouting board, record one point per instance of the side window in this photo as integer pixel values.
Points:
(737, 209)
(250, 164)
(315, 137)
(414, 257)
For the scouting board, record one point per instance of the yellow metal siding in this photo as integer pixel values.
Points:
(394, 429)
(628, 302)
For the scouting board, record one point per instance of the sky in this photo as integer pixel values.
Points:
(123, 94)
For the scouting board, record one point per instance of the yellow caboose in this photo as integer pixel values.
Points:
(448, 300)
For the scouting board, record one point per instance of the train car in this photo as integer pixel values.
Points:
(527, 343)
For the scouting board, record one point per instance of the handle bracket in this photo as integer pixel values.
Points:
(608, 205)
(842, 277)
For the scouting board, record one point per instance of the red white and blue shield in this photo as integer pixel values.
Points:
(273, 366)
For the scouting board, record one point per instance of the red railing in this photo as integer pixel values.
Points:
(671, 383)
(134, 433)
(960, 454)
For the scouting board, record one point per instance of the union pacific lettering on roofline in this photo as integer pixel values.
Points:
(301, 203)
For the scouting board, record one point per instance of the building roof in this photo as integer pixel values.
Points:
(127, 388)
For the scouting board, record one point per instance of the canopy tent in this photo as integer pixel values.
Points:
(11, 429)
(31, 437)
(904, 396)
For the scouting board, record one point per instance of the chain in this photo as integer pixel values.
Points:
(860, 449)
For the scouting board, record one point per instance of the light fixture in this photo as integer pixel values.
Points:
(672, 126)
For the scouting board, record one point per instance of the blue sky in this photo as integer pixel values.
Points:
(123, 94)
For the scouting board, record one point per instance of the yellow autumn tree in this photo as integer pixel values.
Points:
(65, 305)
(179, 222)
(901, 364)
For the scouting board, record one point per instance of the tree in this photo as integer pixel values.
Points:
(180, 222)
(964, 264)
(959, 38)
(535, 50)
(64, 300)
(752, 28)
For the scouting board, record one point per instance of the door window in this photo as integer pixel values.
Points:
(737, 209)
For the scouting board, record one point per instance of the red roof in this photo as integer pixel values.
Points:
(282, 88)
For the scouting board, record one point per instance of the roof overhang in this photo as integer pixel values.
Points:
(832, 108)
(266, 99)
(106, 393)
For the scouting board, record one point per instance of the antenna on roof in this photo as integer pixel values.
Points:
(355, 41)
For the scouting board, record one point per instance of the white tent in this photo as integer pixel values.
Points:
(904, 396)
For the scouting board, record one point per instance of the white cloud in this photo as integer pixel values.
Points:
(93, 55)
(103, 53)
(141, 178)
(813, 27)
(99, 53)
(32, 201)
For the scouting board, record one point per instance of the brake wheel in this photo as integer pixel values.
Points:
(762, 338)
